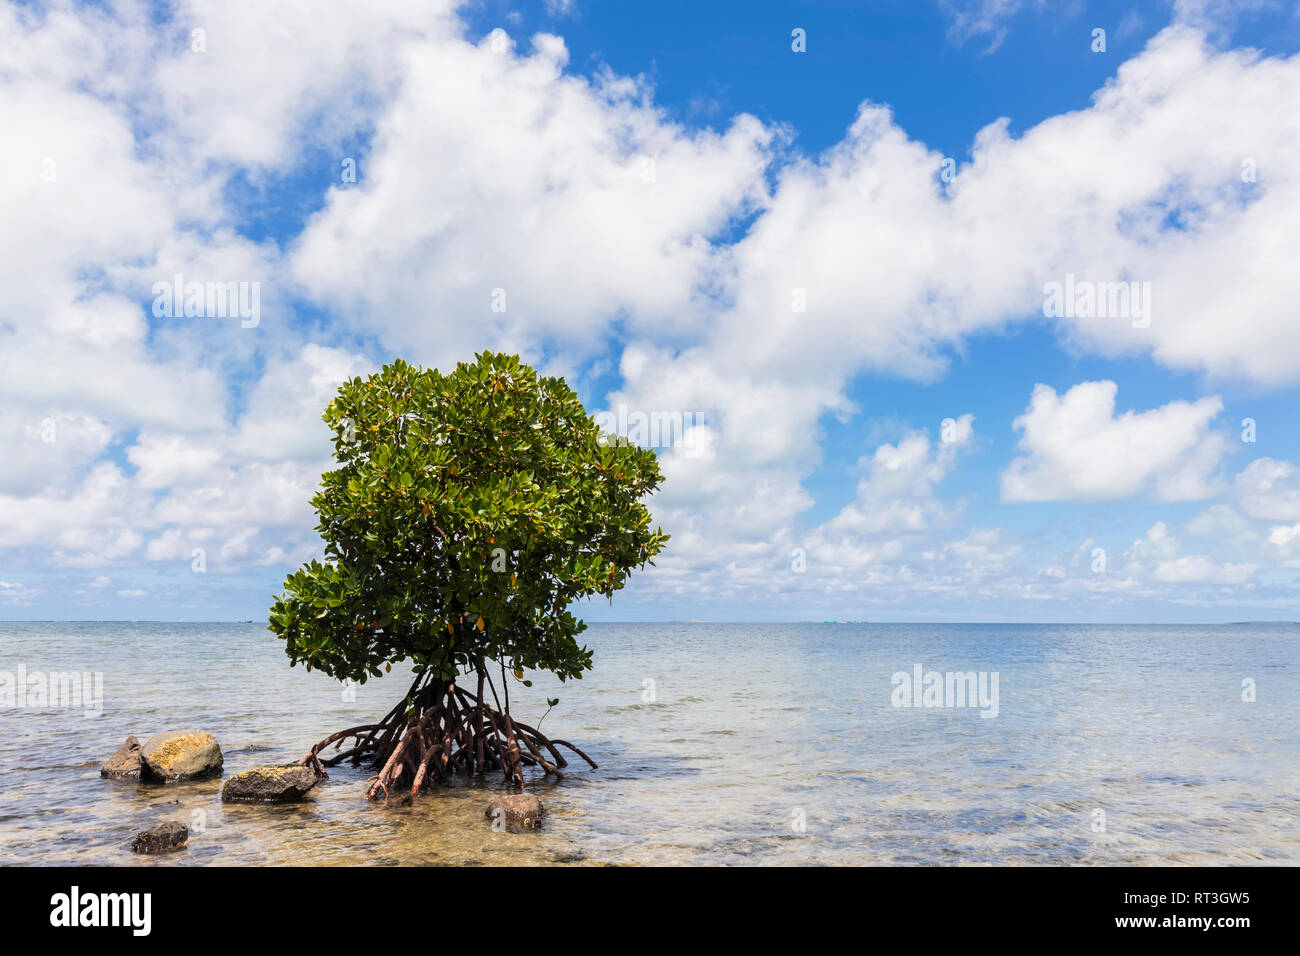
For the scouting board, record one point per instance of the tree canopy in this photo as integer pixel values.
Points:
(467, 511)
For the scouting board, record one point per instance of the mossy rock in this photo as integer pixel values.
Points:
(284, 784)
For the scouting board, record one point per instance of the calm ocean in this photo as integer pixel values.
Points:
(717, 744)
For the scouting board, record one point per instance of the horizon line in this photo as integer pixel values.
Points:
(93, 620)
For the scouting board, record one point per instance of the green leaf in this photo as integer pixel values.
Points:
(447, 468)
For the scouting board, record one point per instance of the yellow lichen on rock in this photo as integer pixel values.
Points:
(166, 754)
(180, 755)
(269, 784)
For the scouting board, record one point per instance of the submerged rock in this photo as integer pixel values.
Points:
(162, 839)
(124, 763)
(516, 813)
(269, 785)
(180, 755)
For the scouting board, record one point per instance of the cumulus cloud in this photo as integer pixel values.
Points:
(165, 460)
(502, 200)
(897, 491)
(548, 203)
(1285, 542)
(815, 299)
(1269, 489)
(45, 450)
(1089, 193)
(1158, 557)
(1075, 448)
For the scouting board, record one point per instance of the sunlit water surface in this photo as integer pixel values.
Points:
(717, 744)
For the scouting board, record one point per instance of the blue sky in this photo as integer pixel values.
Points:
(653, 186)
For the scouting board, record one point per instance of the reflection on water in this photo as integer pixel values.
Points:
(754, 743)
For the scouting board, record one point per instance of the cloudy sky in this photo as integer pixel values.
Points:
(824, 237)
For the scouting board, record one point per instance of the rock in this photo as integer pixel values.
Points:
(124, 763)
(516, 813)
(162, 839)
(180, 755)
(269, 785)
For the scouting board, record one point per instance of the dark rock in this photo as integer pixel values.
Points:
(269, 785)
(515, 813)
(124, 763)
(180, 755)
(162, 839)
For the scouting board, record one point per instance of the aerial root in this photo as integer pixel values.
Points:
(438, 729)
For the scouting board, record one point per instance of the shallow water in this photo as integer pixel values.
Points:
(763, 744)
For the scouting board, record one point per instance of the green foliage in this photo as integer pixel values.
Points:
(467, 512)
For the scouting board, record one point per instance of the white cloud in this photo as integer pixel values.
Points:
(272, 79)
(992, 18)
(1226, 527)
(1219, 15)
(1285, 542)
(16, 593)
(282, 420)
(983, 552)
(82, 547)
(1200, 568)
(1269, 489)
(606, 208)
(1084, 193)
(605, 223)
(45, 449)
(1158, 557)
(1075, 448)
(897, 493)
(164, 461)
(973, 18)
